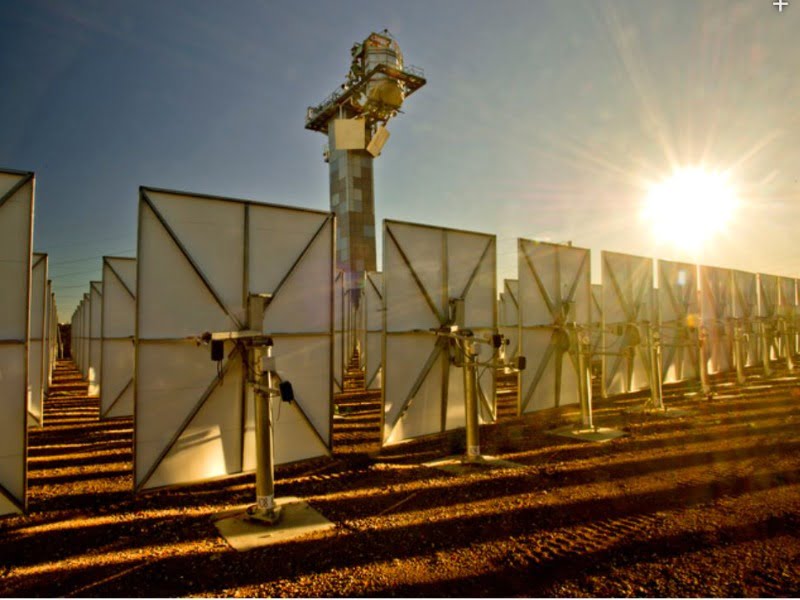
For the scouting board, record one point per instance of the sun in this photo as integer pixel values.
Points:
(690, 207)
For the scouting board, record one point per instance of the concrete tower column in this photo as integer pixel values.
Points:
(353, 202)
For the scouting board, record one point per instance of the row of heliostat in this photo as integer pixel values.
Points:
(705, 320)
(206, 252)
(200, 259)
(29, 335)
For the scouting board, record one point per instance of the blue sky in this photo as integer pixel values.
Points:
(543, 120)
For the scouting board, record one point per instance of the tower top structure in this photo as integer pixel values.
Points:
(375, 87)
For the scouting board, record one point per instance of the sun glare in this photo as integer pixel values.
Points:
(690, 207)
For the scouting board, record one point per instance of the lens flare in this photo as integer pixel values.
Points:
(690, 208)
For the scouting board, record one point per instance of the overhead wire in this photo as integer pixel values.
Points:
(97, 270)
(86, 258)
(69, 287)
(83, 243)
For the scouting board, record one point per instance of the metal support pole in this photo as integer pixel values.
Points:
(682, 340)
(471, 401)
(794, 334)
(654, 350)
(765, 348)
(739, 353)
(702, 337)
(348, 331)
(265, 509)
(584, 380)
(603, 367)
(786, 348)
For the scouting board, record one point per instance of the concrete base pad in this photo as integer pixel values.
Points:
(677, 413)
(453, 464)
(297, 519)
(598, 434)
(672, 413)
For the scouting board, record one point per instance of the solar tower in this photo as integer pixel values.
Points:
(354, 118)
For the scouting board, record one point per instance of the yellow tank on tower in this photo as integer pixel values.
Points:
(382, 88)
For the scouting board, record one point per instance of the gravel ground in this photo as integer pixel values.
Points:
(701, 505)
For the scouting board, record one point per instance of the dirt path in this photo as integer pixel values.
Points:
(703, 505)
